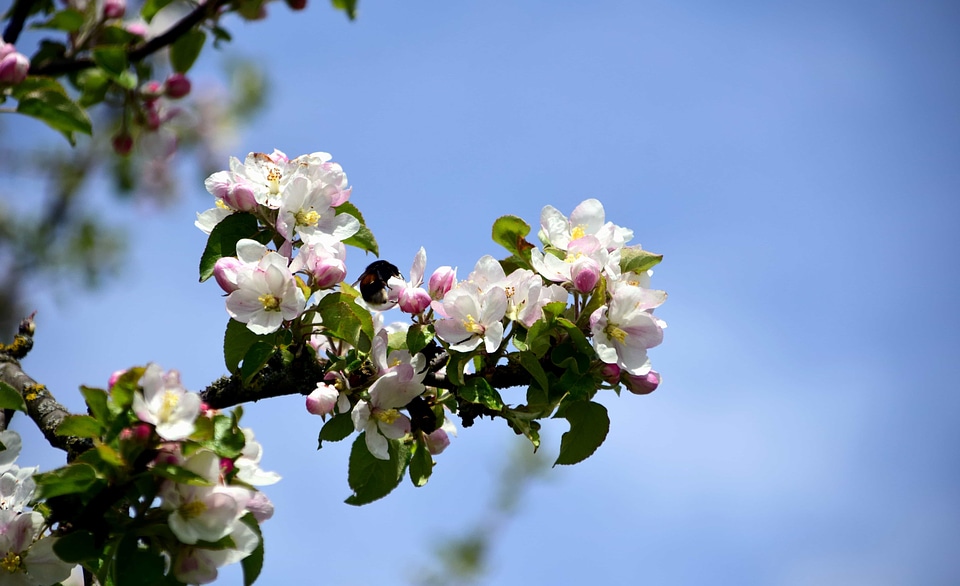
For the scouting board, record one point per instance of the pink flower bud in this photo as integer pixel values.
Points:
(122, 143)
(322, 400)
(226, 466)
(114, 377)
(641, 385)
(437, 441)
(177, 86)
(260, 506)
(611, 373)
(414, 300)
(139, 433)
(328, 272)
(441, 281)
(585, 274)
(240, 197)
(136, 28)
(152, 115)
(151, 90)
(225, 271)
(13, 67)
(6, 49)
(114, 8)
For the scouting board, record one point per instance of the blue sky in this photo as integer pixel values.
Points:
(797, 164)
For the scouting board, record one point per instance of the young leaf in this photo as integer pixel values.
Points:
(421, 464)
(371, 478)
(418, 337)
(344, 319)
(363, 239)
(136, 564)
(510, 232)
(478, 390)
(10, 398)
(237, 341)
(338, 428)
(223, 240)
(179, 474)
(69, 20)
(76, 546)
(152, 7)
(97, 403)
(255, 359)
(348, 6)
(530, 363)
(636, 260)
(111, 59)
(71, 479)
(589, 424)
(185, 50)
(253, 563)
(46, 100)
(79, 426)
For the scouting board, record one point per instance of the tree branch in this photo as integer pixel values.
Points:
(18, 15)
(42, 407)
(199, 14)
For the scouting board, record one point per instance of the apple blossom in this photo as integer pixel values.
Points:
(166, 404)
(307, 210)
(197, 565)
(266, 296)
(526, 296)
(624, 330)
(323, 262)
(324, 398)
(441, 281)
(471, 317)
(114, 8)
(586, 219)
(641, 384)
(248, 463)
(411, 297)
(24, 559)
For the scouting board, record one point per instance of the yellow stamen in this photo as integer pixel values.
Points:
(219, 203)
(470, 324)
(169, 403)
(387, 416)
(12, 562)
(577, 232)
(270, 302)
(305, 218)
(192, 510)
(615, 332)
(273, 176)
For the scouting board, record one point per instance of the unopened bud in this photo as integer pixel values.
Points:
(177, 86)
(642, 384)
(260, 506)
(136, 28)
(610, 373)
(441, 281)
(13, 67)
(297, 4)
(437, 441)
(240, 197)
(114, 8)
(413, 300)
(114, 378)
(585, 274)
(151, 90)
(225, 271)
(122, 143)
(226, 466)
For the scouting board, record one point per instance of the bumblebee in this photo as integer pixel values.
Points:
(373, 283)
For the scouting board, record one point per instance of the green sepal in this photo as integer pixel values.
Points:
(79, 426)
(338, 428)
(634, 259)
(185, 50)
(589, 424)
(510, 232)
(363, 239)
(223, 240)
(253, 563)
(10, 398)
(371, 478)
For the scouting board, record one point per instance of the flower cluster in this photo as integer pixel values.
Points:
(26, 553)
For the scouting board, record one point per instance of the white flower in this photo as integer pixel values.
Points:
(203, 513)
(471, 317)
(166, 404)
(625, 329)
(196, 565)
(586, 219)
(266, 296)
(307, 210)
(526, 296)
(24, 561)
(248, 464)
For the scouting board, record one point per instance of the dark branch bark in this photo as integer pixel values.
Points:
(18, 15)
(139, 53)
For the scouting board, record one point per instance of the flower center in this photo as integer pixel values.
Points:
(305, 218)
(615, 332)
(273, 176)
(170, 401)
(222, 205)
(12, 562)
(471, 325)
(577, 232)
(270, 302)
(387, 416)
(192, 510)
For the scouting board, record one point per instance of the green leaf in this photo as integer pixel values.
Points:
(633, 259)
(348, 6)
(589, 425)
(532, 365)
(253, 563)
(10, 398)
(79, 426)
(338, 428)
(524, 423)
(179, 474)
(342, 318)
(363, 239)
(185, 50)
(255, 359)
(478, 390)
(97, 403)
(124, 388)
(46, 100)
(237, 341)
(579, 385)
(371, 478)
(111, 59)
(152, 7)
(138, 563)
(223, 240)
(510, 232)
(72, 479)
(421, 464)
(418, 337)
(455, 365)
(69, 20)
(76, 546)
